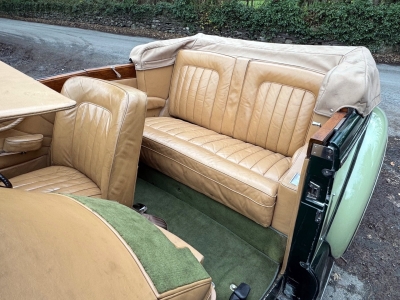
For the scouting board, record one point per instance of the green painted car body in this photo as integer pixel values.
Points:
(356, 190)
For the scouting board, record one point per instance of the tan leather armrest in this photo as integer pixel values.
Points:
(295, 168)
(287, 198)
(155, 102)
(23, 143)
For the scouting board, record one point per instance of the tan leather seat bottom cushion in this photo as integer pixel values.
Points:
(57, 179)
(240, 175)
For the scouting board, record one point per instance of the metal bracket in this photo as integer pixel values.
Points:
(322, 151)
(328, 173)
(313, 191)
(318, 216)
(116, 73)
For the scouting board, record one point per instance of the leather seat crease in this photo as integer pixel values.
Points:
(98, 141)
(57, 179)
(234, 126)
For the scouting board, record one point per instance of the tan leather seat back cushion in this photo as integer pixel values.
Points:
(265, 104)
(101, 137)
(276, 106)
(200, 87)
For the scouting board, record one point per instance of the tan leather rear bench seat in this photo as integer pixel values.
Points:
(232, 131)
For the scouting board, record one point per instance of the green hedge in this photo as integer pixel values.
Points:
(355, 23)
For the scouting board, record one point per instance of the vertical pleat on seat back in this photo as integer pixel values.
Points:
(92, 124)
(200, 87)
(276, 106)
(261, 103)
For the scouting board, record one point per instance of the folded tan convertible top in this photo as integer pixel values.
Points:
(351, 77)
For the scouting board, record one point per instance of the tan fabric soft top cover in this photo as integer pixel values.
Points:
(351, 77)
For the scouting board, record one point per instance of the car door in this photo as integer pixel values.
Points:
(342, 171)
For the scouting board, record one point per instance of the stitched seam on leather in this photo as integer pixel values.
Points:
(240, 97)
(172, 122)
(36, 176)
(126, 246)
(87, 104)
(191, 129)
(309, 122)
(95, 139)
(248, 147)
(55, 180)
(200, 136)
(295, 125)
(283, 121)
(295, 87)
(199, 285)
(52, 183)
(272, 116)
(75, 191)
(202, 145)
(252, 111)
(126, 99)
(215, 96)
(85, 146)
(229, 91)
(23, 142)
(259, 150)
(205, 96)
(52, 177)
(53, 187)
(264, 157)
(197, 90)
(238, 143)
(213, 179)
(272, 166)
(73, 129)
(179, 87)
(166, 123)
(189, 89)
(262, 111)
(174, 87)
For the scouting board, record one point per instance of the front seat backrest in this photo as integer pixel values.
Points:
(101, 136)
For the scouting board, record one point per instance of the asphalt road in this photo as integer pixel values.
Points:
(43, 50)
(390, 89)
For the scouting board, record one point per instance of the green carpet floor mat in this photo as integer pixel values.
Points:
(227, 258)
(167, 266)
(267, 240)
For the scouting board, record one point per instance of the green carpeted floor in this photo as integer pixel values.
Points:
(227, 258)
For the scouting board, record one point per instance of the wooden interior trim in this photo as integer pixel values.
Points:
(107, 73)
(326, 131)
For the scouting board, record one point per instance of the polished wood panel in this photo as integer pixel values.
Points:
(107, 73)
(326, 131)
